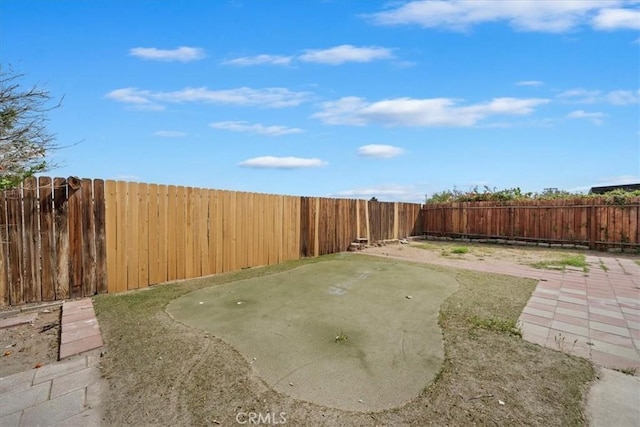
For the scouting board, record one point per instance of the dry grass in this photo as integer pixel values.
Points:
(162, 372)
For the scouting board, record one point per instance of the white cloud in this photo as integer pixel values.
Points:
(523, 15)
(137, 99)
(420, 112)
(260, 60)
(242, 126)
(271, 162)
(623, 97)
(170, 134)
(274, 97)
(181, 54)
(617, 19)
(529, 83)
(388, 192)
(580, 95)
(380, 151)
(615, 97)
(595, 117)
(346, 53)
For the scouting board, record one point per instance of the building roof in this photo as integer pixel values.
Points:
(606, 189)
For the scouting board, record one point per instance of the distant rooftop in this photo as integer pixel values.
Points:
(606, 189)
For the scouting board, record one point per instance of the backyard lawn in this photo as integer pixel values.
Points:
(164, 371)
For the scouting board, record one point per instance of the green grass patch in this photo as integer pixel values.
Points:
(577, 261)
(637, 261)
(507, 326)
(460, 250)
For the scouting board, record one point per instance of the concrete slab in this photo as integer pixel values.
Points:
(19, 400)
(74, 381)
(17, 382)
(55, 410)
(614, 400)
(48, 372)
(11, 420)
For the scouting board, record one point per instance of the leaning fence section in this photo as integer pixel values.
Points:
(592, 222)
(66, 238)
(52, 235)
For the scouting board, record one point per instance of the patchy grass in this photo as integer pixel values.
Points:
(460, 250)
(577, 261)
(603, 266)
(161, 372)
(425, 246)
(341, 337)
(508, 326)
(626, 371)
(637, 261)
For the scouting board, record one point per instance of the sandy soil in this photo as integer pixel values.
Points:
(29, 346)
(438, 252)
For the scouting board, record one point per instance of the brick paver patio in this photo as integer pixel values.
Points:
(66, 393)
(594, 315)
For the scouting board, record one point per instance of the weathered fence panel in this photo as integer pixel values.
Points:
(51, 235)
(588, 222)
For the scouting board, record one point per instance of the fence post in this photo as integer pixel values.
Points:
(511, 214)
(395, 220)
(316, 238)
(592, 227)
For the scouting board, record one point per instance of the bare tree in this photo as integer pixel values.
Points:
(24, 138)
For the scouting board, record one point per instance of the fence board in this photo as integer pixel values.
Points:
(88, 239)
(4, 259)
(154, 234)
(61, 237)
(163, 229)
(75, 237)
(111, 233)
(205, 269)
(100, 236)
(122, 237)
(31, 245)
(16, 260)
(180, 233)
(47, 246)
(143, 235)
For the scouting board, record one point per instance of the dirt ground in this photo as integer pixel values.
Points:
(29, 346)
(425, 251)
(161, 372)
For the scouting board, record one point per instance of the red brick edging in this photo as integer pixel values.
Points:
(80, 329)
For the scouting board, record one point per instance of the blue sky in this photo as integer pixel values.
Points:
(337, 98)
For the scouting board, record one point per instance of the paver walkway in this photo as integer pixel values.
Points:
(65, 393)
(594, 315)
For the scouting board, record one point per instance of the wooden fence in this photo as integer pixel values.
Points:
(588, 222)
(66, 238)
